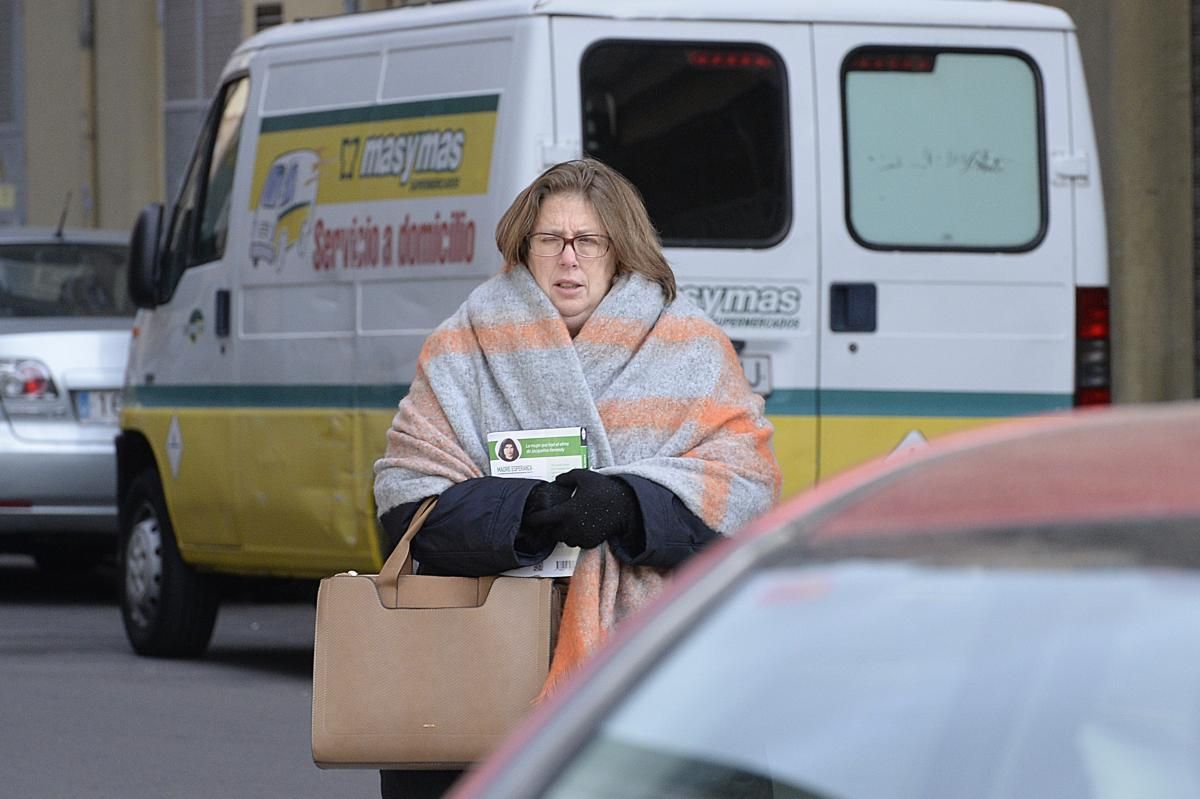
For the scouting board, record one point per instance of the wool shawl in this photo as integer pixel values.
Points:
(658, 387)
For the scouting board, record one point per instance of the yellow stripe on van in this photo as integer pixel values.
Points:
(856, 426)
(244, 485)
(848, 441)
(795, 449)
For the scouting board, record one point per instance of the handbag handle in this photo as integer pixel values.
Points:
(400, 561)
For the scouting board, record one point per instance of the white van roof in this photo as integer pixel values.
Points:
(992, 13)
(964, 13)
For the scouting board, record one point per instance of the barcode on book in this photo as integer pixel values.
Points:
(563, 564)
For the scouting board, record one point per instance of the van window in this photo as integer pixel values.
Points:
(201, 218)
(214, 223)
(700, 129)
(943, 149)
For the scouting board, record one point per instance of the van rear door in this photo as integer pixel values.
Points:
(712, 121)
(946, 252)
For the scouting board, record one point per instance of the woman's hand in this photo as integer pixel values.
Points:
(600, 508)
(545, 496)
(535, 538)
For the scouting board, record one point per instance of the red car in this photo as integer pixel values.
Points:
(1014, 612)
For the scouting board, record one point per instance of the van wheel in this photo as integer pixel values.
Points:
(168, 608)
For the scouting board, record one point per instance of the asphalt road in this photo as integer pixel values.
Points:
(82, 716)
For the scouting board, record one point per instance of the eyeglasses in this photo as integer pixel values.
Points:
(590, 245)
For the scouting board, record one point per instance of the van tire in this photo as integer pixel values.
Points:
(169, 609)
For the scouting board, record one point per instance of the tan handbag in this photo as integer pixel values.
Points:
(420, 672)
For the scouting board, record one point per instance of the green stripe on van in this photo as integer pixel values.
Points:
(382, 113)
(279, 396)
(952, 404)
(792, 402)
(782, 402)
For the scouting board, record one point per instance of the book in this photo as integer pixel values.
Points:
(540, 454)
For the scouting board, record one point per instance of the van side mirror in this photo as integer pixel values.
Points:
(144, 257)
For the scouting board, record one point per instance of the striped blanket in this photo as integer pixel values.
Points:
(658, 387)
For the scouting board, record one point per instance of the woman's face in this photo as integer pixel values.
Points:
(574, 285)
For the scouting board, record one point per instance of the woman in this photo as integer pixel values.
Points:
(582, 328)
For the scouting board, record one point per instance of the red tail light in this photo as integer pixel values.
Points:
(25, 379)
(1093, 370)
(35, 385)
(27, 389)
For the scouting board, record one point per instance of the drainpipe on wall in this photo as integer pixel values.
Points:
(89, 121)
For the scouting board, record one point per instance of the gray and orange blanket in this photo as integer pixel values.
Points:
(658, 387)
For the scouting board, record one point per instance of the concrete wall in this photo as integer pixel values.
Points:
(93, 111)
(1137, 55)
(129, 95)
(57, 141)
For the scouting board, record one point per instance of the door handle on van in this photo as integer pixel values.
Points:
(852, 307)
(222, 313)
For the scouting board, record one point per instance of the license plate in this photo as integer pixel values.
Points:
(98, 407)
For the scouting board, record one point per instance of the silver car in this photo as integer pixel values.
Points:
(65, 323)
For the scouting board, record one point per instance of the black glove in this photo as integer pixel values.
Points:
(544, 496)
(601, 508)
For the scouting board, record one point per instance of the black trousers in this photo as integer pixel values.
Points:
(416, 784)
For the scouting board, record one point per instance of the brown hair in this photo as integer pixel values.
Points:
(635, 243)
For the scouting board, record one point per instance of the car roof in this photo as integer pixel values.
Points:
(49, 235)
(1052, 472)
(1136, 461)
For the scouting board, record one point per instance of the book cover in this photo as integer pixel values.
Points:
(541, 454)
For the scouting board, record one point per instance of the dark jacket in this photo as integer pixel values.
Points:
(474, 527)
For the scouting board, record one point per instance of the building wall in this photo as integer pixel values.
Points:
(12, 109)
(129, 111)
(198, 37)
(1137, 55)
(92, 113)
(58, 151)
(1195, 118)
(291, 10)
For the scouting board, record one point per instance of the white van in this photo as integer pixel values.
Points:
(894, 210)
